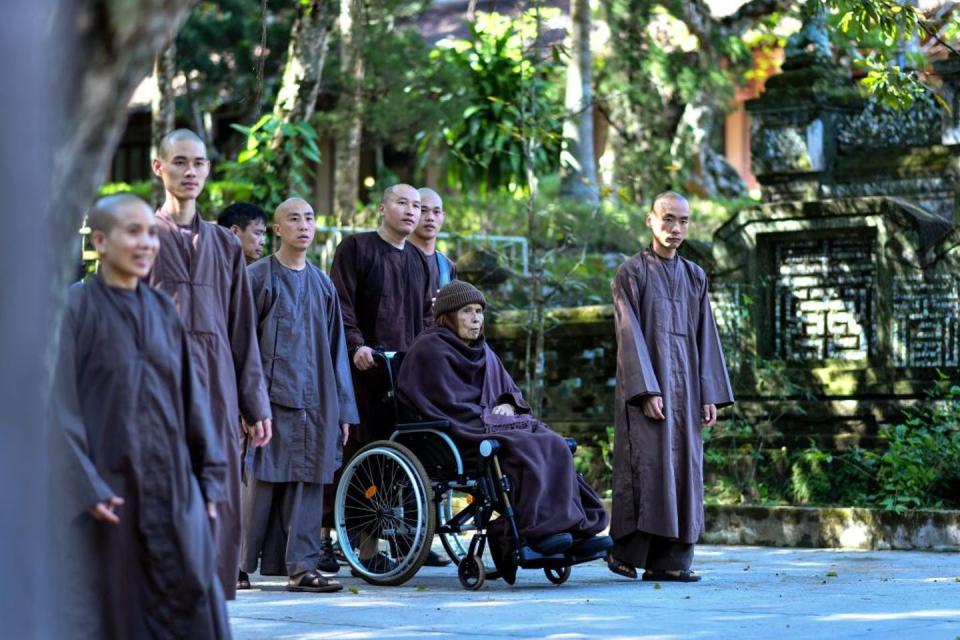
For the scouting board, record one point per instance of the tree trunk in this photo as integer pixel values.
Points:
(300, 84)
(163, 107)
(347, 164)
(77, 65)
(299, 87)
(578, 166)
(116, 45)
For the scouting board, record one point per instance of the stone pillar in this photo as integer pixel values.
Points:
(793, 135)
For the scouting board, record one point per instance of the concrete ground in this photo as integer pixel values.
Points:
(746, 592)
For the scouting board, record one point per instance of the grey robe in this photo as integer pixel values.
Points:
(306, 366)
(668, 345)
(129, 420)
(201, 266)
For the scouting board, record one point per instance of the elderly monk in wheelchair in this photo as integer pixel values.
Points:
(450, 373)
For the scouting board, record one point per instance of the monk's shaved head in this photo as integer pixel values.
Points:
(177, 135)
(105, 212)
(394, 191)
(290, 204)
(430, 193)
(668, 196)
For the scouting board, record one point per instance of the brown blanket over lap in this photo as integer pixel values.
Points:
(443, 378)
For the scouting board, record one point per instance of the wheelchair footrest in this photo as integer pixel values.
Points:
(528, 558)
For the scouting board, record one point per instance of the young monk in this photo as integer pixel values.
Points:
(307, 368)
(201, 266)
(384, 288)
(424, 237)
(144, 467)
(671, 378)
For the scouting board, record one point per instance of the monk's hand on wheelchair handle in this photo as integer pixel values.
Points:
(653, 407)
(344, 434)
(363, 358)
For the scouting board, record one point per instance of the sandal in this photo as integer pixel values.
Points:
(313, 582)
(621, 568)
(243, 581)
(670, 576)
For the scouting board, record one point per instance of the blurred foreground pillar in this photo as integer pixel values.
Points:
(27, 102)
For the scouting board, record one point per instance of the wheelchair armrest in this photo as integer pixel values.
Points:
(572, 443)
(436, 425)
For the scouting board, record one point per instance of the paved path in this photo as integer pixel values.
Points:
(747, 592)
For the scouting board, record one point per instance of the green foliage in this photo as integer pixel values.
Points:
(594, 459)
(218, 49)
(917, 465)
(258, 162)
(921, 464)
(510, 94)
(876, 33)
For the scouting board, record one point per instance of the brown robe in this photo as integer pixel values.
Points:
(386, 300)
(130, 420)
(667, 345)
(444, 378)
(201, 266)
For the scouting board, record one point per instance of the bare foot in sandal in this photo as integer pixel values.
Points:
(313, 582)
(621, 568)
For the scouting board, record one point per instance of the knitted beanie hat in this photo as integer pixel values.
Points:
(456, 295)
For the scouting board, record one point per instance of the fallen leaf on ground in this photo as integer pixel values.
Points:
(354, 590)
(831, 574)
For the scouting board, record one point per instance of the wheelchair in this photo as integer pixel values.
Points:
(394, 495)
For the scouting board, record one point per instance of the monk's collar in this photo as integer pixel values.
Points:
(676, 256)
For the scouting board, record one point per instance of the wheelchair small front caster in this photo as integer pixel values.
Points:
(471, 572)
(557, 576)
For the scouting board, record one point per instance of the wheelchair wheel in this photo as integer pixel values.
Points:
(455, 544)
(384, 514)
(557, 575)
(471, 572)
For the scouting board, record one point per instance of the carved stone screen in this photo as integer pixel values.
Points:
(926, 321)
(728, 309)
(824, 299)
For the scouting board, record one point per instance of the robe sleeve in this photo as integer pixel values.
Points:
(714, 381)
(635, 372)
(343, 272)
(500, 384)
(82, 481)
(428, 296)
(242, 323)
(207, 457)
(346, 401)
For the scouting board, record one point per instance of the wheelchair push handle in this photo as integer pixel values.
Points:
(386, 356)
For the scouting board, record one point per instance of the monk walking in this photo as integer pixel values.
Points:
(307, 369)
(142, 468)
(671, 378)
(202, 267)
